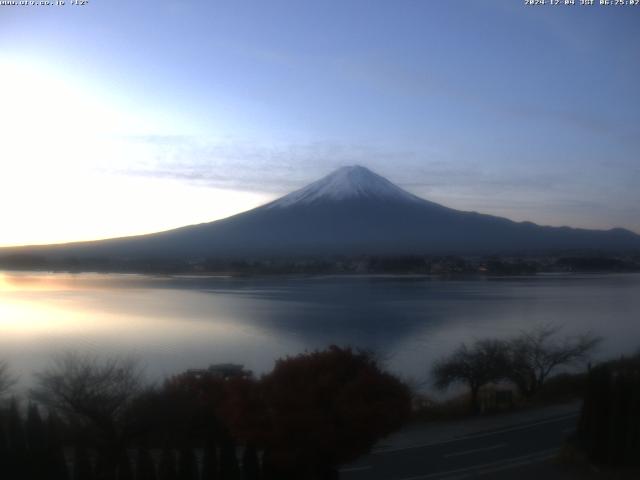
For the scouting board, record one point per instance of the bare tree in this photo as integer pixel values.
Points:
(535, 354)
(7, 381)
(93, 392)
(483, 362)
(86, 387)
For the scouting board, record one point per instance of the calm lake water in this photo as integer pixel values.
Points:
(175, 323)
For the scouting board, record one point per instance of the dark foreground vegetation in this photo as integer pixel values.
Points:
(609, 428)
(523, 363)
(606, 443)
(312, 413)
(91, 419)
(362, 264)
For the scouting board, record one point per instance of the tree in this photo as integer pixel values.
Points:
(535, 354)
(210, 462)
(326, 408)
(145, 466)
(7, 381)
(93, 393)
(85, 387)
(17, 465)
(250, 463)
(36, 432)
(188, 404)
(187, 464)
(5, 453)
(229, 469)
(125, 471)
(36, 442)
(609, 426)
(167, 469)
(17, 436)
(483, 362)
(82, 468)
(56, 462)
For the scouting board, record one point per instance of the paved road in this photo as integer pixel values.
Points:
(470, 456)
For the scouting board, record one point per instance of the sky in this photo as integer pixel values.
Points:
(120, 117)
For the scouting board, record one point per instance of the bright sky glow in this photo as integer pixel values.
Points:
(120, 118)
(58, 182)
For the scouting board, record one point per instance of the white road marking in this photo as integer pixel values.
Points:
(475, 450)
(479, 435)
(492, 466)
(356, 469)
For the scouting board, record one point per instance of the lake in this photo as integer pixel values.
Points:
(175, 323)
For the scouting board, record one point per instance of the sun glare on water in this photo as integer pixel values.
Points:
(85, 306)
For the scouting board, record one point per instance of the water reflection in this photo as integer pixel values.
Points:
(174, 323)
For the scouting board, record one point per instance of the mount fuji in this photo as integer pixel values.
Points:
(351, 211)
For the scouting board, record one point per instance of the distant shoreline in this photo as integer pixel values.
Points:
(366, 266)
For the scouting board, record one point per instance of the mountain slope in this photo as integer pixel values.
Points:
(350, 211)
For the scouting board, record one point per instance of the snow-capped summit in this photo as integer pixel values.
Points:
(351, 182)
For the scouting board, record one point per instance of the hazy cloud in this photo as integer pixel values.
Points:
(550, 193)
(242, 165)
(280, 168)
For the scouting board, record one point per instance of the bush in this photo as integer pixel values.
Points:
(609, 427)
(327, 408)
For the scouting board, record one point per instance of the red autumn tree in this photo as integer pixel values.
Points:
(312, 413)
(326, 408)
